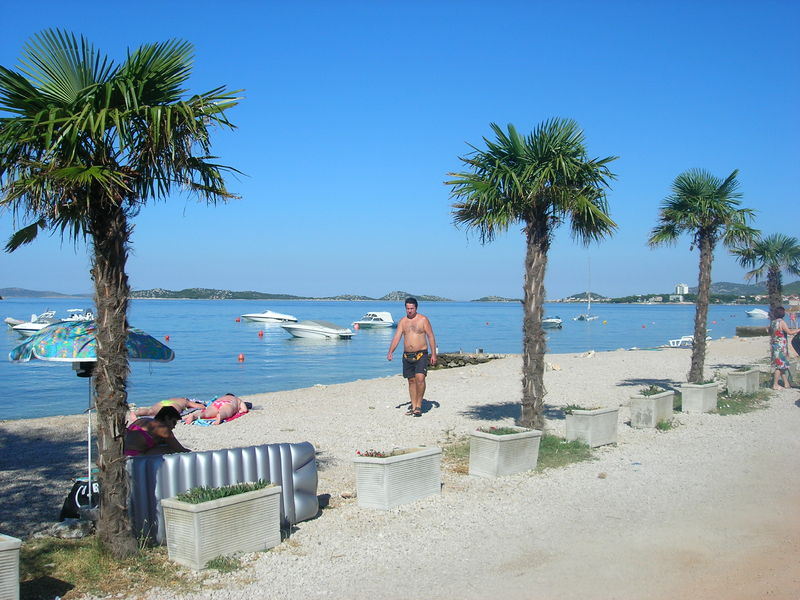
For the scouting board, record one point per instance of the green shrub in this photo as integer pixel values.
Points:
(501, 430)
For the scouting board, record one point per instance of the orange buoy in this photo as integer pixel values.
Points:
(260, 333)
(238, 320)
(644, 326)
(355, 326)
(166, 337)
(241, 357)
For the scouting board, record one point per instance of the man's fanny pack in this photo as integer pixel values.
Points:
(414, 356)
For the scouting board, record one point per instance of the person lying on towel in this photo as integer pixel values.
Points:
(153, 435)
(179, 404)
(224, 407)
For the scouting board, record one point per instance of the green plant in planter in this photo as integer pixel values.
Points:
(651, 390)
(501, 430)
(199, 495)
(381, 453)
(569, 408)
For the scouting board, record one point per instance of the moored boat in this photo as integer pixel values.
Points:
(316, 329)
(375, 320)
(552, 322)
(757, 313)
(37, 323)
(269, 316)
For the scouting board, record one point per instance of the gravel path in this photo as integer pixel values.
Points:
(708, 509)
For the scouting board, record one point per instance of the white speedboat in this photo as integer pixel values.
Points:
(37, 323)
(79, 314)
(552, 322)
(757, 313)
(269, 316)
(317, 330)
(374, 320)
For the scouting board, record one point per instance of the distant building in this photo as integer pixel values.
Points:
(682, 289)
(676, 298)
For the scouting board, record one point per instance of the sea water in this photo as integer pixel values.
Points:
(208, 340)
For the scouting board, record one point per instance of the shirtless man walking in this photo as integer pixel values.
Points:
(417, 334)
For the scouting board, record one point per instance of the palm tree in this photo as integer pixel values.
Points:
(539, 181)
(706, 208)
(84, 144)
(771, 256)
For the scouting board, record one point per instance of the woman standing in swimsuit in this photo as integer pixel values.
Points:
(154, 435)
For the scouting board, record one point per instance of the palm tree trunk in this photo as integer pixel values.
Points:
(533, 342)
(110, 234)
(701, 309)
(774, 289)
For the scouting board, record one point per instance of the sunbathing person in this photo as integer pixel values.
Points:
(153, 435)
(220, 409)
(179, 404)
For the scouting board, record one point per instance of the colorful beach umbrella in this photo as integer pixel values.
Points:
(76, 343)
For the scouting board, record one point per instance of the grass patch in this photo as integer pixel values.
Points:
(665, 425)
(51, 567)
(455, 454)
(555, 452)
(224, 564)
(737, 404)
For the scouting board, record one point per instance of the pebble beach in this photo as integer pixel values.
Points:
(707, 509)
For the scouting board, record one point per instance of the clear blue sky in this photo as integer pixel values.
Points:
(354, 113)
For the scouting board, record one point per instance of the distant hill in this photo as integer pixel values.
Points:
(496, 299)
(398, 296)
(585, 296)
(212, 294)
(745, 289)
(14, 292)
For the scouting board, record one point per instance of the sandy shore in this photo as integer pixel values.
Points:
(709, 509)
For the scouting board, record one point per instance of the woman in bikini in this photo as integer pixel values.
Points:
(179, 404)
(153, 435)
(220, 409)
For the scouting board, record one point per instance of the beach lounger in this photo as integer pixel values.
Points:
(292, 466)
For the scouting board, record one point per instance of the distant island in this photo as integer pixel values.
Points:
(212, 294)
(721, 292)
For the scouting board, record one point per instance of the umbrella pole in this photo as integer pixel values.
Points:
(89, 442)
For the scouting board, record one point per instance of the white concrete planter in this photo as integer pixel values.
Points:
(246, 522)
(744, 382)
(595, 427)
(492, 455)
(648, 411)
(9, 567)
(699, 397)
(385, 483)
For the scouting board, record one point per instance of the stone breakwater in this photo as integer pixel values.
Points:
(450, 360)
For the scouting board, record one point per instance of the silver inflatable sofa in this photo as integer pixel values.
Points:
(292, 466)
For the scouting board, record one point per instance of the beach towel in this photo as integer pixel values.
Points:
(207, 422)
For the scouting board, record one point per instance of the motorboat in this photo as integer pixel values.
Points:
(585, 317)
(11, 321)
(37, 323)
(79, 314)
(552, 322)
(375, 320)
(269, 316)
(757, 313)
(317, 330)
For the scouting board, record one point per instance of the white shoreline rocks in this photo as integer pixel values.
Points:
(660, 513)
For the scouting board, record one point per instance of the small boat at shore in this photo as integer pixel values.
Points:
(269, 316)
(375, 320)
(757, 313)
(317, 330)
